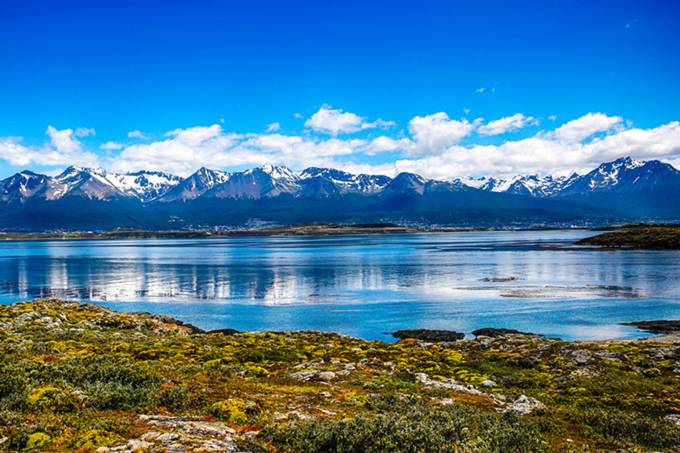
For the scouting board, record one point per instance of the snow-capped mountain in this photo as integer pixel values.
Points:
(532, 185)
(23, 186)
(195, 185)
(86, 198)
(89, 183)
(144, 185)
(407, 183)
(625, 175)
(261, 182)
(96, 183)
(645, 180)
(337, 181)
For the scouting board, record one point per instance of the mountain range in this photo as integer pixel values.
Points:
(78, 198)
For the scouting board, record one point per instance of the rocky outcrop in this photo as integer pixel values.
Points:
(429, 335)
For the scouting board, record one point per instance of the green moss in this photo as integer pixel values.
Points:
(232, 410)
(95, 438)
(37, 440)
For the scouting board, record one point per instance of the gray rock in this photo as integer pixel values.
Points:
(326, 376)
(448, 384)
(323, 376)
(673, 418)
(581, 357)
(524, 405)
(139, 445)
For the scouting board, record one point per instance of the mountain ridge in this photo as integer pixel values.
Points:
(271, 181)
(623, 189)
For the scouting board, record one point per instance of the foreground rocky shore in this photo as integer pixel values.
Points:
(77, 377)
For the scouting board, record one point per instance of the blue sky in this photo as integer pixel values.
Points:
(112, 67)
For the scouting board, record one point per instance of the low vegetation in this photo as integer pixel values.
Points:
(77, 377)
(653, 237)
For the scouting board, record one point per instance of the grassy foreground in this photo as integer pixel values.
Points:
(77, 377)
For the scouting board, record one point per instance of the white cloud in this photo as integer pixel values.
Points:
(62, 149)
(587, 125)
(552, 117)
(480, 90)
(137, 134)
(85, 132)
(273, 127)
(182, 152)
(545, 153)
(63, 140)
(335, 121)
(433, 133)
(433, 149)
(507, 124)
(111, 146)
(385, 144)
(433, 146)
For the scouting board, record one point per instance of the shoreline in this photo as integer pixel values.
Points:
(650, 329)
(295, 230)
(81, 377)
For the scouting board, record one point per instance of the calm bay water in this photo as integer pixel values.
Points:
(363, 285)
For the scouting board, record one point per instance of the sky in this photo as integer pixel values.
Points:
(444, 89)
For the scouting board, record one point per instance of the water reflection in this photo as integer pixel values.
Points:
(361, 285)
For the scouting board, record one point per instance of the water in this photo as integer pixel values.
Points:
(364, 285)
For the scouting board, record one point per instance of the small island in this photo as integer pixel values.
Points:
(79, 377)
(651, 237)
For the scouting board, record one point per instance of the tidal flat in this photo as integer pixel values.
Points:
(80, 377)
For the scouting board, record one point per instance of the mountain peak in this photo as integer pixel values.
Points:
(278, 171)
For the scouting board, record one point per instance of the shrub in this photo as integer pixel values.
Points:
(232, 410)
(13, 387)
(615, 425)
(50, 398)
(409, 428)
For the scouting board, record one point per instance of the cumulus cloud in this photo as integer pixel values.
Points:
(335, 121)
(507, 124)
(63, 140)
(432, 146)
(434, 133)
(546, 153)
(432, 149)
(587, 125)
(181, 152)
(137, 134)
(63, 149)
